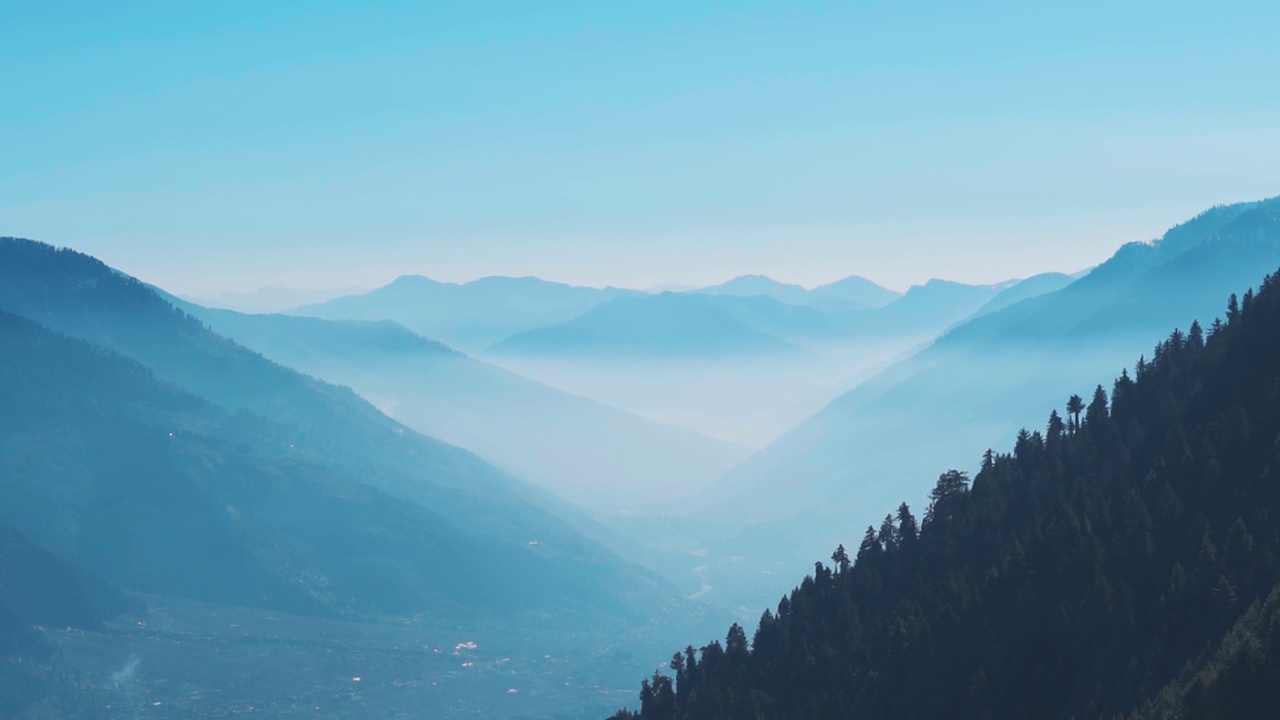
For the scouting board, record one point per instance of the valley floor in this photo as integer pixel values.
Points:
(186, 660)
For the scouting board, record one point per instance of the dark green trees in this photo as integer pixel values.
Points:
(1074, 406)
(1124, 563)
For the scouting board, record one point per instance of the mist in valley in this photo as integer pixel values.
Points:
(668, 361)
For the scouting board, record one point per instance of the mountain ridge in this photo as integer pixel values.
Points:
(1119, 563)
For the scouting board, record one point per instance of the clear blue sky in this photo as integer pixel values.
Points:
(229, 145)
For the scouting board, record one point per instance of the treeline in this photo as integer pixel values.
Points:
(1118, 562)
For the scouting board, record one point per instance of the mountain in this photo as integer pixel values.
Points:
(471, 316)
(1001, 370)
(980, 381)
(664, 325)
(749, 285)
(694, 324)
(1034, 286)
(797, 324)
(1124, 562)
(165, 493)
(175, 461)
(271, 299)
(930, 308)
(593, 455)
(743, 369)
(851, 293)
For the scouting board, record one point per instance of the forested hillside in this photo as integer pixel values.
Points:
(1121, 560)
(140, 440)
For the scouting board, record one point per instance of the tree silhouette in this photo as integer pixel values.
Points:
(1075, 405)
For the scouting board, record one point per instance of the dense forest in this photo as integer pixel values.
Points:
(1121, 561)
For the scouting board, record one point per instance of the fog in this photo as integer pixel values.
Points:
(206, 510)
(747, 401)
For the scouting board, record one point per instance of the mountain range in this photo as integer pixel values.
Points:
(1119, 563)
(469, 316)
(981, 381)
(663, 325)
(851, 293)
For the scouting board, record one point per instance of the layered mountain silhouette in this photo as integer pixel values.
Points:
(174, 461)
(759, 285)
(591, 454)
(470, 316)
(1119, 562)
(992, 375)
(1016, 292)
(851, 293)
(271, 299)
(663, 325)
(744, 324)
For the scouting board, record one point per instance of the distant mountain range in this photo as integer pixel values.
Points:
(469, 316)
(851, 293)
(484, 313)
(724, 324)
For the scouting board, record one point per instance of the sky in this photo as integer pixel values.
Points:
(225, 146)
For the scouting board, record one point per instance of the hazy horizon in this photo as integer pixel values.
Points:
(660, 287)
(1021, 467)
(228, 147)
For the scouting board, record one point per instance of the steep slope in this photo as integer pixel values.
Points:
(80, 296)
(471, 316)
(664, 325)
(295, 428)
(1104, 567)
(928, 308)
(164, 493)
(986, 377)
(588, 453)
(1034, 286)
(37, 589)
